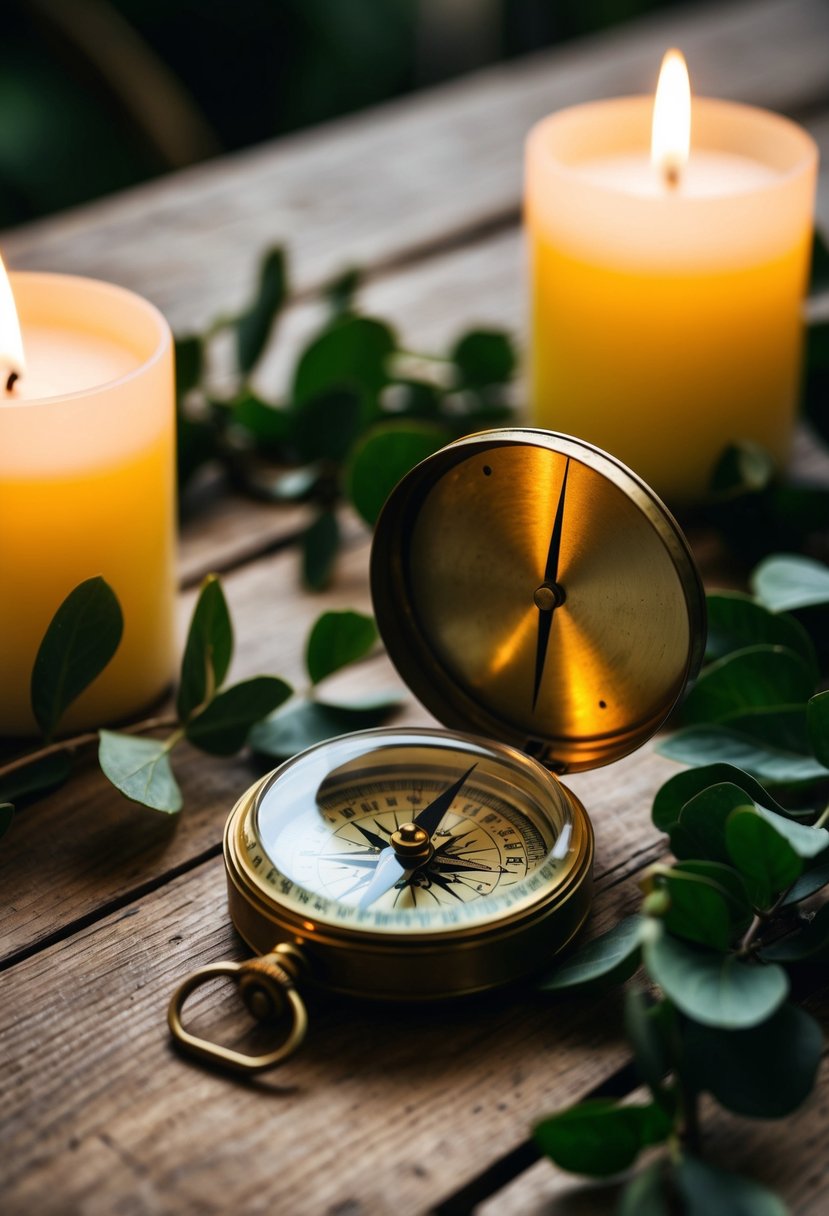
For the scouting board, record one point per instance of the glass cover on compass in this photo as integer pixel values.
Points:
(500, 830)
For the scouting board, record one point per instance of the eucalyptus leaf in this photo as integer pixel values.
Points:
(720, 744)
(79, 642)
(727, 880)
(600, 1137)
(753, 676)
(709, 1191)
(383, 457)
(208, 650)
(189, 356)
(253, 327)
(763, 1073)
(266, 424)
(646, 1193)
(677, 790)
(309, 722)
(483, 357)
(320, 545)
(608, 959)
(810, 944)
(806, 840)
(351, 352)
(140, 769)
(785, 582)
(697, 910)
(222, 727)
(41, 774)
(766, 861)
(6, 817)
(736, 621)
(714, 989)
(778, 726)
(336, 639)
(817, 719)
(702, 823)
(324, 427)
(813, 879)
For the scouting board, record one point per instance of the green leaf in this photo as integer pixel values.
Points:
(646, 1194)
(82, 637)
(763, 1073)
(782, 727)
(223, 726)
(766, 861)
(36, 777)
(320, 545)
(736, 621)
(267, 425)
(813, 879)
(807, 841)
(483, 357)
(709, 1191)
(819, 273)
(189, 358)
(700, 832)
(336, 639)
(643, 1026)
(678, 790)
(754, 676)
(817, 719)
(351, 352)
(720, 744)
(310, 722)
(608, 959)
(728, 882)
(784, 583)
(383, 457)
(325, 427)
(697, 910)
(743, 468)
(714, 989)
(600, 1138)
(140, 769)
(253, 327)
(208, 650)
(6, 817)
(810, 944)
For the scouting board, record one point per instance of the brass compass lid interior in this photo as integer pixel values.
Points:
(531, 589)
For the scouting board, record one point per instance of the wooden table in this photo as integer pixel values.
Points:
(106, 907)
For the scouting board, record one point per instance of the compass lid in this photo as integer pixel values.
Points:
(531, 589)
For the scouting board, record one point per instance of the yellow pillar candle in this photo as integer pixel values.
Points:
(87, 484)
(667, 292)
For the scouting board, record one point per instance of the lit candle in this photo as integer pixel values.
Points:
(667, 283)
(87, 424)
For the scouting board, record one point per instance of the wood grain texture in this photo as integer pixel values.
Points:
(389, 184)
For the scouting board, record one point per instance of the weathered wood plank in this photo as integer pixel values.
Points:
(382, 186)
(383, 1106)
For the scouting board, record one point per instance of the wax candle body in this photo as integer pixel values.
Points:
(667, 322)
(87, 488)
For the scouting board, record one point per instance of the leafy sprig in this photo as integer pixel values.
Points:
(211, 715)
(358, 413)
(724, 924)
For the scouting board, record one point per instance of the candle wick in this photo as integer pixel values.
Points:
(670, 174)
(11, 380)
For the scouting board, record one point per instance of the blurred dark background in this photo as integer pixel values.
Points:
(98, 94)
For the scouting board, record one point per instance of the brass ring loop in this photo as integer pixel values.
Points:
(213, 1052)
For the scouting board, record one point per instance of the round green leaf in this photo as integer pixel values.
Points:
(336, 639)
(714, 989)
(600, 1138)
(722, 745)
(736, 621)
(753, 677)
(82, 637)
(208, 650)
(784, 583)
(140, 769)
(700, 832)
(609, 959)
(483, 357)
(709, 1191)
(697, 910)
(351, 352)
(385, 455)
(763, 1073)
(266, 425)
(223, 725)
(766, 861)
(678, 790)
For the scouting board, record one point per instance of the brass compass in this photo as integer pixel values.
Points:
(541, 602)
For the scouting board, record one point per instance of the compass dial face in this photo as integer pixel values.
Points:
(324, 840)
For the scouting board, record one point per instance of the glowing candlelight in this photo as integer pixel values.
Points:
(671, 127)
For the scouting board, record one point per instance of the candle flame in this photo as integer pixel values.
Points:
(671, 130)
(12, 362)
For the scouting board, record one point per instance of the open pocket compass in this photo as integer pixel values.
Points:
(533, 591)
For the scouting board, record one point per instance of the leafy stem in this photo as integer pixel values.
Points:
(77, 742)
